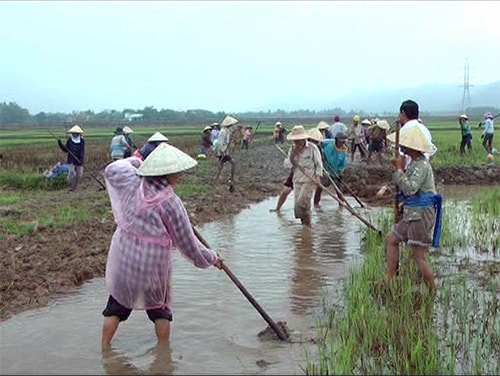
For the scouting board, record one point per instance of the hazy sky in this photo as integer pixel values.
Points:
(235, 55)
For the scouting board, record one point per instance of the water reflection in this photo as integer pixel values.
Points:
(307, 279)
(115, 363)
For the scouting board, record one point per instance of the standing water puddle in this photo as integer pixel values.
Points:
(285, 268)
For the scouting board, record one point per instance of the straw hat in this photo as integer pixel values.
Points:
(157, 136)
(366, 122)
(166, 160)
(323, 125)
(298, 133)
(278, 123)
(383, 124)
(356, 118)
(75, 129)
(412, 138)
(315, 134)
(463, 116)
(228, 121)
(207, 128)
(127, 130)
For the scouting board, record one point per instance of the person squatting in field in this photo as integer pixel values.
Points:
(75, 150)
(419, 208)
(221, 147)
(306, 155)
(151, 220)
(156, 139)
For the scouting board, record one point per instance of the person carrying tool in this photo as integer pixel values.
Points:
(420, 205)
(355, 134)
(306, 155)
(377, 133)
(335, 163)
(75, 150)
(151, 220)
(466, 134)
(221, 147)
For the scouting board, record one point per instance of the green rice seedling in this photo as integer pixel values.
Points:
(9, 200)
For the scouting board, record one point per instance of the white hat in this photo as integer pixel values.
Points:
(412, 138)
(75, 129)
(463, 117)
(383, 124)
(166, 160)
(228, 121)
(315, 134)
(127, 130)
(207, 128)
(278, 123)
(323, 125)
(157, 136)
(214, 124)
(366, 122)
(298, 133)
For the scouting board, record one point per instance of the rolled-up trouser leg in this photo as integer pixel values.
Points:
(303, 195)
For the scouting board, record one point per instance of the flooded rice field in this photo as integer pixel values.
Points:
(290, 271)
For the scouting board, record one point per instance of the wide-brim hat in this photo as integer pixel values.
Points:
(315, 134)
(322, 125)
(228, 121)
(355, 118)
(278, 123)
(166, 159)
(383, 124)
(207, 128)
(298, 133)
(214, 124)
(75, 129)
(488, 115)
(366, 122)
(412, 138)
(127, 129)
(157, 136)
(463, 116)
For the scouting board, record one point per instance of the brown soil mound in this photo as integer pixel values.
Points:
(54, 260)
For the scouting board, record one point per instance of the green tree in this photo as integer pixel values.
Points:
(12, 113)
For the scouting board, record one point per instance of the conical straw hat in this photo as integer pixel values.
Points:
(228, 121)
(315, 134)
(166, 160)
(278, 123)
(323, 125)
(75, 129)
(157, 136)
(298, 133)
(127, 130)
(366, 122)
(412, 138)
(383, 124)
(207, 128)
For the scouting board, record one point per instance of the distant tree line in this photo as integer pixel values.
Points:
(11, 114)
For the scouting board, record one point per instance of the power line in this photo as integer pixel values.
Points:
(466, 101)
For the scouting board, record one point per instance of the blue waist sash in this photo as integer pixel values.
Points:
(426, 200)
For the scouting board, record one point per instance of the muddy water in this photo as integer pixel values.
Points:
(285, 268)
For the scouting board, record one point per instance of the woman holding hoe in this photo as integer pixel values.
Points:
(151, 220)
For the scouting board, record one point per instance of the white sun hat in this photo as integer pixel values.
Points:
(228, 121)
(366, 122)
(315, 134)
(383, 124)
(214, 124)
(157, 136)
(298, 133)
(278, 123)
(207, 128)
(412, 138)
(166, 160)
(75, 129)
(323, 125)
(463, 116)
(127, 130)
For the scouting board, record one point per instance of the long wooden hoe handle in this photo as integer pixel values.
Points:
(348, 207)
(396, 154)
(282, 336)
